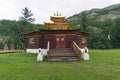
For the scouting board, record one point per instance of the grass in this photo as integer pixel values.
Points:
(103, 65)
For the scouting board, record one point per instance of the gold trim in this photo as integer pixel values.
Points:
(60, 34)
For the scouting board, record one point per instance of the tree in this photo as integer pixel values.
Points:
(25, 19)
(84, 21)
(116, 34)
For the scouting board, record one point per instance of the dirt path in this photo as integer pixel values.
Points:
(9, 51)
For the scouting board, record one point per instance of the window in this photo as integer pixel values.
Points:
(83, 40)
(31, 40)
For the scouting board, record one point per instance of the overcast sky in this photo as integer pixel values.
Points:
(43, 9)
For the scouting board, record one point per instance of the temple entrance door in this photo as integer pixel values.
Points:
(60, 41)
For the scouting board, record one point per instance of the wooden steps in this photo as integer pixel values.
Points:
(62, 54)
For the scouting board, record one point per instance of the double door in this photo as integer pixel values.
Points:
(60, 41)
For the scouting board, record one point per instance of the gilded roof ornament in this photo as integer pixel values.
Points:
(57, 14)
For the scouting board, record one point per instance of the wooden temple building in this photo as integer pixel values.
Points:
(61, 42)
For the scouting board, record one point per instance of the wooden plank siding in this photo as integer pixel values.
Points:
(36, 43)
(43, 36)
(50, 38)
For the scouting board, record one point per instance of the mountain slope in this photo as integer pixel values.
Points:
(103, 26)
(110, 12)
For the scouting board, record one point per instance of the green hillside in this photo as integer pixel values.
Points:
(11, 32)
(103, 26)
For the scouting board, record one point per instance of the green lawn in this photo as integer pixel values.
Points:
(103, 65)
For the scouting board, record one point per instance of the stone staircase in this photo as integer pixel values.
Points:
(62, 54)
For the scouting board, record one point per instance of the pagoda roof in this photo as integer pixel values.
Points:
(40, 31)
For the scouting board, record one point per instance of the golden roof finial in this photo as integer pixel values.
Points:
(54, 14)
(60, 14)
(57, 14)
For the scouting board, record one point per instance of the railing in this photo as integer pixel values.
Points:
(77, 50)
(48, 45)
(48, 49)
